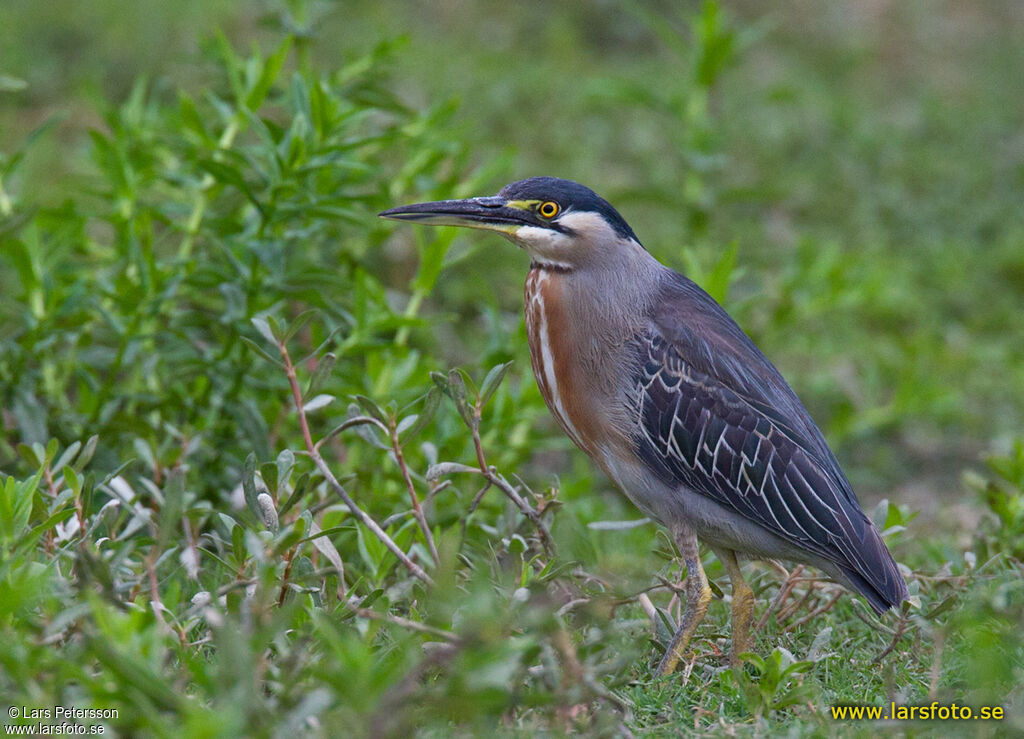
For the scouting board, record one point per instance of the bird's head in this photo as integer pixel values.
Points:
(560, 223)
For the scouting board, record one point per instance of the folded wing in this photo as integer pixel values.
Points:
(717, 417)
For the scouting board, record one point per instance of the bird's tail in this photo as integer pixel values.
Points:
(876, 576)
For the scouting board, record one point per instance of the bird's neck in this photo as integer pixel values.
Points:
(557, 348)
(607, 297)
(538, 265)
(579, 327)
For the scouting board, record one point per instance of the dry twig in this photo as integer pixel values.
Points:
(338, 488)
(901, 629)
(815, 613)
(417, 509)
(498, 481)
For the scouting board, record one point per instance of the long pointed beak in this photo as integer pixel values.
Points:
(491, 214)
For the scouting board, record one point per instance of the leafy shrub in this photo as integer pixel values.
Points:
(1002, 492)
(777, 682)
(162, 521)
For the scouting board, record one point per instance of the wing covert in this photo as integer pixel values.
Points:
(696, 431)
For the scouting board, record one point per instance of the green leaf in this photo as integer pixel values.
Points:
(820, 644)
(262, 325)
(231, 64)
(323, 344)
(271, 70)
(261, 351)
(492, 381)
(301, 485)
(795, 696)
(115, 472)
(268, 471)
(16, 505)
(285, 465)
(249, 484)
(457, 392)
(73, 481)
(431, 402)
(173, 508)
(371, 409)
(87, 453)
(754, 659)
(299, 323)
(433, 248)
(321, 374)
(109, 160)
(238, 548)
(713, 42)
(723, 274)
(947, 603)
(290, 536)
(227, 174)
(190, 117)
(371, 433)
(441, 381)
(11, 163)
(317, 402)
(28, 453)
(36, 532)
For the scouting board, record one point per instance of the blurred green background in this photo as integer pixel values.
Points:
(865, 159)
(846, 178)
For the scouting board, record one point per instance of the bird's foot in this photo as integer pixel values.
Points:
(698, 595)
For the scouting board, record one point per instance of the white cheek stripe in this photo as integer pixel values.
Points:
(543, 244)
(547, 363)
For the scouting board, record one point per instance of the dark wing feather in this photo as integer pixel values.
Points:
(718, 417)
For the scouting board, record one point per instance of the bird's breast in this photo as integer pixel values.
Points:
(559, 349)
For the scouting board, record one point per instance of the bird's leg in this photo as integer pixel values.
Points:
(742, 605)
(698, 594)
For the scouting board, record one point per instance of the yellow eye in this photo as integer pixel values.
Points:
(548, 209)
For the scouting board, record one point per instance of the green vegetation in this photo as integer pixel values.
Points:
(269, 465)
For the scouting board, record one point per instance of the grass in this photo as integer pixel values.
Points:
(270, 465)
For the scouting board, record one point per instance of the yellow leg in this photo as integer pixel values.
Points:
(698, 594)
(742, 606)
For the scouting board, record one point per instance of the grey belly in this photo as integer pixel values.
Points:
(714, 524)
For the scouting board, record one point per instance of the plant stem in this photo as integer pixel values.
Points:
(411, 310)
(502, 484)
(417, 509)
(325, 470)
